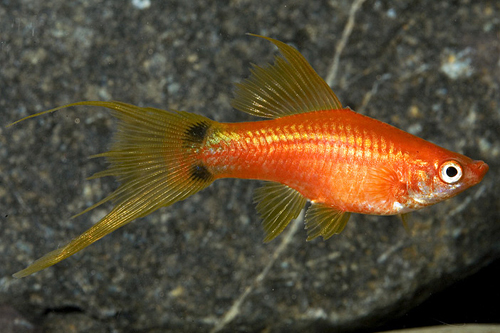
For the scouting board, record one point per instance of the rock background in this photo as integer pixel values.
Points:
(429, 67)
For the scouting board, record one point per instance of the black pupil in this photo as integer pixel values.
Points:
(451, 171)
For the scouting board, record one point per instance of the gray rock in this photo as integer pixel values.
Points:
(453, 329)
(429, 67)
(12, 321)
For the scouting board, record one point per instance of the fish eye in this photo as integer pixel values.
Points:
(450, 172)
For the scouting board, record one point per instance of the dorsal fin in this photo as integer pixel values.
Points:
(287, 87)
(326, 221)
(277, 205)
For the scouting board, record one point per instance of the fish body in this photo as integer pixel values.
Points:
(336, 157)
(312, 149)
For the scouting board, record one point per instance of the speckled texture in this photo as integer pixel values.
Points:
(431, 68)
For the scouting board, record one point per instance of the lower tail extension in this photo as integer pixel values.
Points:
(154, 156)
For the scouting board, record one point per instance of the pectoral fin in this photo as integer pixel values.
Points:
(277, 204)
(326, 221)
(405, 218)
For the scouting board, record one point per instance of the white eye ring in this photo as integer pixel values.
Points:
(450, 172)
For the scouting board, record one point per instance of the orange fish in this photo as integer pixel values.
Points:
(311, 149)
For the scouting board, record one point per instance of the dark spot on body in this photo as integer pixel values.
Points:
(200, 172)
(197, 133)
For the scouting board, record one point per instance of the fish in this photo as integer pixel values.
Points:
(309, 148)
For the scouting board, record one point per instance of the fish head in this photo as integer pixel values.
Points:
(443, 178)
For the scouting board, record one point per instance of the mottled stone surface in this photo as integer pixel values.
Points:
(11, 321)
(454, 329)
(429, 67)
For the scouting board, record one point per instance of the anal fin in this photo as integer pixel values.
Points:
(277, 205)
(326, 221)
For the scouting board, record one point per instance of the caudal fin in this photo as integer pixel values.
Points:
(154, 155)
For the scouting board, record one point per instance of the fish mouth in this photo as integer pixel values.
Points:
(479, 169)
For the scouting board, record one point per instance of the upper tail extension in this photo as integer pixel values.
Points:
(154, 155)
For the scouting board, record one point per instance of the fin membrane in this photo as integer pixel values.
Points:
(405, 218)
(277, 205)
(154, 158)
(326, 221)
(385, 184)
(289, 86)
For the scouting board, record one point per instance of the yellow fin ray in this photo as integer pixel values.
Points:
(153, 155)
(405, 218)
(118, 217)
(326, 221)
(287, 87)
(277, 205)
